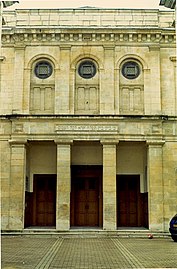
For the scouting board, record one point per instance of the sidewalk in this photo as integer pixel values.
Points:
(87, 252)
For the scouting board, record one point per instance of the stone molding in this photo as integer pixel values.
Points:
(118, 37)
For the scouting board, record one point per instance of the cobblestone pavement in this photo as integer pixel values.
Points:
(87, 253)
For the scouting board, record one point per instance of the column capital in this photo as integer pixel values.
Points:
(19, 47)
(65, 47)
(109, 142)
(18, 142)
(109, 47)
(155, 143)
(63, 141)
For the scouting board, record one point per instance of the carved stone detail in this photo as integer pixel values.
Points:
(152, 38)
(18, 128)
(60, 128)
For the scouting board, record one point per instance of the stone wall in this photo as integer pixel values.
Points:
(129, 126)
(84, 17)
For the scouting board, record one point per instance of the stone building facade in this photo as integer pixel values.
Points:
(88, 119)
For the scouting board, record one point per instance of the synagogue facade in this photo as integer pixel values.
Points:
(88, 119)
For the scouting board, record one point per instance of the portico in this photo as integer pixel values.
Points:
(88, 119)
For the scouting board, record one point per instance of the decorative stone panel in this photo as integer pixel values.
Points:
(87, 100)
(42, 99)
(131, 99)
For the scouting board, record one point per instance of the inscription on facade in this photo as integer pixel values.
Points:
(86, 128)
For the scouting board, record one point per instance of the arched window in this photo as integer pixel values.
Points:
(87, 87)
(42, 87)
(131, 87)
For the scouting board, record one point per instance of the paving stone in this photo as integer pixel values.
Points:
(87, 253)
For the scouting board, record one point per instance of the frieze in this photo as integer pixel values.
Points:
(151, 38)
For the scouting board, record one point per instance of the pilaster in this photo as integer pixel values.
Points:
(17, 105)
(173, 59)
(153, 93)
(62, 94)
(26, 97)
(107, 82)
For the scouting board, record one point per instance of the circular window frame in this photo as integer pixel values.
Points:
(127, 70)
(87, 74)
(37, 71)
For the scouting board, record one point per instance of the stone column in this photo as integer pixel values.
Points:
(109, 186)
(63, 185)
(17, 185)
(26, 90)
(155, 186)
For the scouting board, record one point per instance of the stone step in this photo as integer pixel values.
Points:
(142, 233)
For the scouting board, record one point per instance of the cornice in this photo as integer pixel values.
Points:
(78, 37)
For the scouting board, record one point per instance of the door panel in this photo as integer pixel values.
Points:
(131, 205)
(44, 200)
(86, 201)
(80, 202)
(86, 196)
(92, 201)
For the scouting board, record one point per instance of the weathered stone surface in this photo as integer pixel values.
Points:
(128, 126)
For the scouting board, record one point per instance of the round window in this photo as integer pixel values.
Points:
(87, 69)
(43, 69)
(130, 70)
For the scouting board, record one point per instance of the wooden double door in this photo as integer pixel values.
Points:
(41, 204)
(86, 197)
(132, 206)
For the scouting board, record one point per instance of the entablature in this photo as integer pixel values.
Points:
(85, 36)
(121, 128)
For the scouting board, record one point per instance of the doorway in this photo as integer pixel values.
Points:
(132, 206)
(86, 196)
(41, 204)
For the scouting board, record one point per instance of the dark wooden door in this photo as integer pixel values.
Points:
(129, 201)
(86, 201)
(44, 200)
(86, 196)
